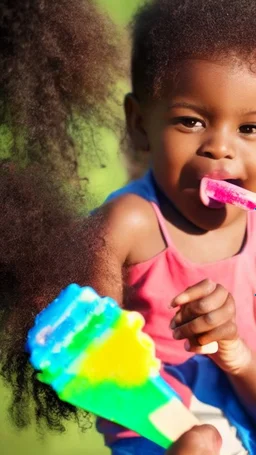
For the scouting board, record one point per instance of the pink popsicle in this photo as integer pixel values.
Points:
(215, 193)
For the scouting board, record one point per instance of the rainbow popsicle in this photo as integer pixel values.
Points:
(226, 193)
(95, 356)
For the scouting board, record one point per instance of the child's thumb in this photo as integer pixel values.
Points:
(200, 440)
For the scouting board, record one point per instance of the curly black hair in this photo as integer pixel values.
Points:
(44, 244)
(165, 32)
(59, 64)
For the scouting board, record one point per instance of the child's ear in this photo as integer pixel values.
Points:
(134, 122)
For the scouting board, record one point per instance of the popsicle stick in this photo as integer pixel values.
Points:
(173, 419)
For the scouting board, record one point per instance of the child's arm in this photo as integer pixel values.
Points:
(115, 230)
(110, 240)
(244, 380)
(207, 314)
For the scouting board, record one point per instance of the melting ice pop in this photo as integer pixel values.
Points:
(226, 193)
(96, 357)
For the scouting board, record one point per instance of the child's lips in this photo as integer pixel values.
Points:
(237, 182)
(222, 173)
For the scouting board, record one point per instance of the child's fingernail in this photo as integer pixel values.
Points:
(173, 324)
(180, 300)
(187, 345)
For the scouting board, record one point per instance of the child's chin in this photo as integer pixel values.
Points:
(208, 218)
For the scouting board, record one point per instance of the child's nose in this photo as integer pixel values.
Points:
(218, 146)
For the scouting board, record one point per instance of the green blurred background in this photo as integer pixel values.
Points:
(102, 181)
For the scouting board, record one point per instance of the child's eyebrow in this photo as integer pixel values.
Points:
(200, 109)
(248, 112)
(203, 110)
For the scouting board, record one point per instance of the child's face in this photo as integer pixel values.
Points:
(206, 125)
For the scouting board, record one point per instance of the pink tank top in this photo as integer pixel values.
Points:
(157, 281)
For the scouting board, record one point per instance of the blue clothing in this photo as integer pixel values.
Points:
(136, 446)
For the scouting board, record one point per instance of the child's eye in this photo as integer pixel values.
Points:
(190, 123)
(247, 129)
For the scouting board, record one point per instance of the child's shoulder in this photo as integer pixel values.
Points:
(128, 221)
(128, 211)
(131, 204)
(128, 224)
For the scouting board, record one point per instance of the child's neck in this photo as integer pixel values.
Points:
(198, 245)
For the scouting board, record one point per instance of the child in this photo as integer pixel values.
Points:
(164, 253)
(58, 64)
(192, 90)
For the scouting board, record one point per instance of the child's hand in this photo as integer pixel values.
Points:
(200, 440)
(207, 315)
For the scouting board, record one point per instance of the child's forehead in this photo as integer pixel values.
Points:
(227, 83)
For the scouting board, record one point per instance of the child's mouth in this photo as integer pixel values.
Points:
(237, 182)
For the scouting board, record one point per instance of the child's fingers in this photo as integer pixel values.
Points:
(205, 322)
(200, 440)
(227, 331)
(195, 292)
(203, 306)
(207, 349)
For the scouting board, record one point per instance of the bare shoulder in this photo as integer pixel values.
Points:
(129, 223)
(130, 210)
(121, 232)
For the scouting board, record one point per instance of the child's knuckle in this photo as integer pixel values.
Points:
(232, 329)
(230, 309)
(208, 284)
(203, 306)
(210, 319)
(193, 327)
